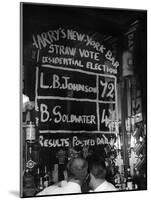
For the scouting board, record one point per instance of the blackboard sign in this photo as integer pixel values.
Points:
(69, 100)
(75, 84)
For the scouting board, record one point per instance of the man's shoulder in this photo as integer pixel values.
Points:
(68, 187)
(64, 188)
(106, 186)
(73, 186)
(48, 190)
(110, 185)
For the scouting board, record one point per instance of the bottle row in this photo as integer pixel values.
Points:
(36, 179)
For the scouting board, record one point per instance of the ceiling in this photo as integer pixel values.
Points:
(109, 21)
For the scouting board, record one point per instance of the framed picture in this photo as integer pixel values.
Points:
(83, 100)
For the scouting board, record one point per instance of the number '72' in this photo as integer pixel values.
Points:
(106, 86)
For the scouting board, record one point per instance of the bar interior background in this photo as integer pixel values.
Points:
(124, 32)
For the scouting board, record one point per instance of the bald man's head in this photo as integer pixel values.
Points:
(77, 169)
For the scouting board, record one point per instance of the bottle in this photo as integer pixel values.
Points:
(117, 180)
(41, 185)
(29, 188)
(35, 152)
(123, 182)
(119, 162)
(129, 180)
(37, 179)
(32, 146)
(55, 174)
(30, 132)
(135, 178)
(50, 177)
(46, 178)
(30, 163)
(28, 178)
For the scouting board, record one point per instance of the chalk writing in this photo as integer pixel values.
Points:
(96, 45)
(87, 142)
(71, 92)
(50, 38)
(107, 89)
(46, 38)
(62, 50)
(109, 56)
(64, 83)
(68, 62)
(74, 35)
(75, 141)
(75, 92)
(59, 117)
(89, 54)
(106, 86)
(62, 142)
(108, 118)
(62, 61)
